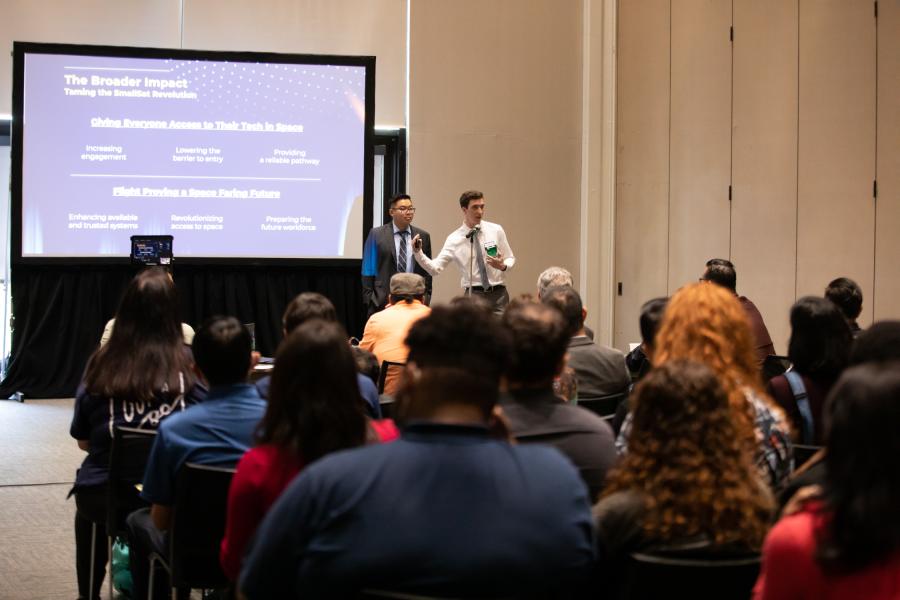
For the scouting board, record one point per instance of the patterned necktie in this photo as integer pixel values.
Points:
(479, 258)
(401, 255)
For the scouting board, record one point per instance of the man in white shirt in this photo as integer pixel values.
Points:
(480, 250)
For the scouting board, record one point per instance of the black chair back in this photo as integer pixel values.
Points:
(603, 405)
(387, 407)
(650, 576)
(127, 460)
(198, 524)
(382, 375)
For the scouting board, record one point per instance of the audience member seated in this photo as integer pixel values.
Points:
(600, 370)
(445, 510)
(688, 479)
(136, 380)
(848, 297)
(722, 272)
(706, 323)
(819, 350)
(553, 277)
(187, 331)
(639, 360)
(533, 412)
(216, 432)
(366, 363)
(311, 305)
(844, 542)
(385, 333)
(879, 343)
(314, 408)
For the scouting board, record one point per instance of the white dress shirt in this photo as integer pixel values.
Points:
(459, 249)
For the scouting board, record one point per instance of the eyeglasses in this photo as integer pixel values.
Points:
(410, 209)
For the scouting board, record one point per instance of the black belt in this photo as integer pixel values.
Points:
(483, 290)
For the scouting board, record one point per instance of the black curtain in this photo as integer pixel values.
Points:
(59, 312)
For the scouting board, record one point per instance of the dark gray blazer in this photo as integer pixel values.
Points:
(380, 263)
(539, 417)
(600, 371)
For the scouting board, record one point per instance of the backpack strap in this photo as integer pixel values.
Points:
(802, 398)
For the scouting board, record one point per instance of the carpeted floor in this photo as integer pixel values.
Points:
(38, 460)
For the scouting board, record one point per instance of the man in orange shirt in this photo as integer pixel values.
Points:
(385, 333)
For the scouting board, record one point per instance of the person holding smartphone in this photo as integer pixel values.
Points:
(480, 250)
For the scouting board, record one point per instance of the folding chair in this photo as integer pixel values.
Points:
(655, 576)
(382, 375)
(603, 405)
(198, 524)
(128, 456)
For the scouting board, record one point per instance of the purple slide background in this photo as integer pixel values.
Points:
(328, 100)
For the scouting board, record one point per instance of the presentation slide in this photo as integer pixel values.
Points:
(233, 159)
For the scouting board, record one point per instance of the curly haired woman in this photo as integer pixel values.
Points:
(688, 477)
(705, 323)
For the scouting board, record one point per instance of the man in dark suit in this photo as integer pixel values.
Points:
(389, 250)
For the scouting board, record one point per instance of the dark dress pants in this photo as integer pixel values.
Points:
(145, 540)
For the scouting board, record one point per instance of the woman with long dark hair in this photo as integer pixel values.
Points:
(844, 542)
(314, 409)
(819, 350)
(139, 377)
(689, 475)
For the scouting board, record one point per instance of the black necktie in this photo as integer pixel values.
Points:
(401, 255)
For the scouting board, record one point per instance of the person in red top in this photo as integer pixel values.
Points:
(845, 542)
(314, 409)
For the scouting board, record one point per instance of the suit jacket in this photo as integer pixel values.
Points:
(380, 263)
(600, 371)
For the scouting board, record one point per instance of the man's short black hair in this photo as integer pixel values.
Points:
(540, 339)
(306, 306)
(848, 296)
(466, 349)
(468, 197)
(721, 272)
(878, 343)
(719, 262)
(652, 312)
(566, 300)
(398, 198)
(222, 349)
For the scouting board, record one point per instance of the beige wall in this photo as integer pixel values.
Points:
(786, 115)
(495, 101)
(373, 27)
(511, 97)
(495, 105)
(111, 22)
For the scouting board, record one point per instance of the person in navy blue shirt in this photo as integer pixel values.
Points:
(216, 432)
(449, 509)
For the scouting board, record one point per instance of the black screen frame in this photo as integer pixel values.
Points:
(20, 49)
